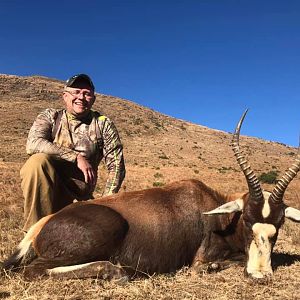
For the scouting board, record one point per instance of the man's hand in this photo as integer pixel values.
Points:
(90, 177)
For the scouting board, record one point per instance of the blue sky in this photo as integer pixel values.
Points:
(201, 61)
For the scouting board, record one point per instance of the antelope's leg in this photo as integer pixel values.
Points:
(98, 269)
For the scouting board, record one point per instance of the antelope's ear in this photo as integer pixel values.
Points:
(292, 214)
(227, 208)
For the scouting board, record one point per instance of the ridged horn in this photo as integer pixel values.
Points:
(282, 184)
(253, 183)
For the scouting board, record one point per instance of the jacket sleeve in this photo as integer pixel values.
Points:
(113, 157)
(40, 138)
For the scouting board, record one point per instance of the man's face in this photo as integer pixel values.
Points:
(78, 101)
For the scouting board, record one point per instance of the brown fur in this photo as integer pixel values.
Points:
(150, 231)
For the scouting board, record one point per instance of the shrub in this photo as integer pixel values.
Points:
(137, 121)
(158, 183)
(224, 169)
(158, 175)
(270, 177)
(163, 156)
(182, 127)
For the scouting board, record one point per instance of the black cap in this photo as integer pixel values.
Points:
(78, 80)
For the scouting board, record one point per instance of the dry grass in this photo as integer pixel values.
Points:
(183, 285)
(157, 149)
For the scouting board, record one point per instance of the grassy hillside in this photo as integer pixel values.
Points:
(158, 149)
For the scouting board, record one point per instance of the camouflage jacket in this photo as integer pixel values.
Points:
(95, 137)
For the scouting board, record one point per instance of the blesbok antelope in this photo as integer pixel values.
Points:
(159, 230)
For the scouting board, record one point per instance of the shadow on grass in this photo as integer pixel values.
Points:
(284, 259)
(4, 295)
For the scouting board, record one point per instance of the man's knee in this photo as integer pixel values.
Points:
(36, 162)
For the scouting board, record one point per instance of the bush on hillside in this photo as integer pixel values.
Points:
(270, 177)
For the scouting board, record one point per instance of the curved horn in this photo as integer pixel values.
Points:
(253, 183)
(282, 184)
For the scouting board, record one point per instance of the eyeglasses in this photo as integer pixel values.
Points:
(76, 93)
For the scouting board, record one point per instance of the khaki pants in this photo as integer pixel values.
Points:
(48, 185)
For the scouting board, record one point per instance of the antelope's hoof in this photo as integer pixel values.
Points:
(213, 267)
(121, 281)
(201, 268)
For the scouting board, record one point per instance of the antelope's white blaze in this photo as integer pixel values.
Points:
(259, 260)
(66, 269)
(266, 209)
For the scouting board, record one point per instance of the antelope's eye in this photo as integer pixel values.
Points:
(248, 225)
